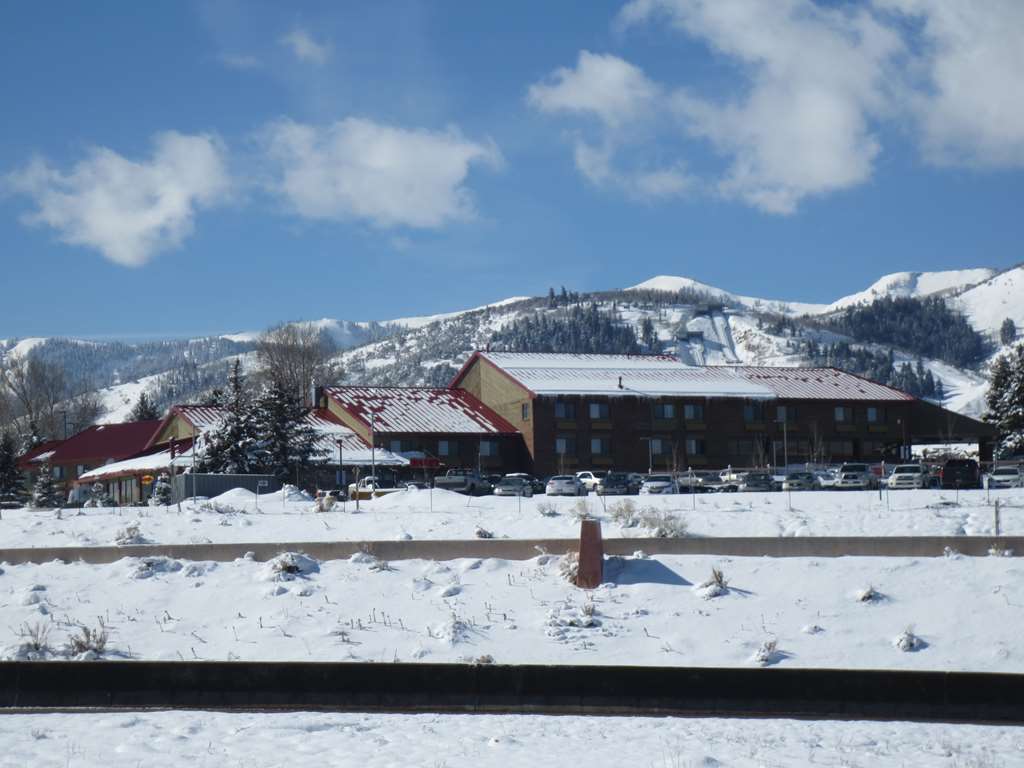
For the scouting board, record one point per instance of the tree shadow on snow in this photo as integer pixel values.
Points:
(621, 571)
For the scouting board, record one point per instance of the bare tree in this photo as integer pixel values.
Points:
(297, 356)
(41, 397)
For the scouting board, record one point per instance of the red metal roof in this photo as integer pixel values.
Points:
(819, 384)
(37, 454)
(420, 410)
(103, 442)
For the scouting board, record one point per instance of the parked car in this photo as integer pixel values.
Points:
(635, 481)
(695, 482)
(565, 485)
(755, 481)
(960, 473)
(856, 477)
(613, 484)
(659, 485)
(467, 481)
(535, 483)
(801, 481)
(827, 478)
(513, 486)
(590, 478)
(1005, 477)
(371, 486)
(908, 476)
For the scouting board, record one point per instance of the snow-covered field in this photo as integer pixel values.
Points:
(445, 515)
(221, 740)
(968, 612)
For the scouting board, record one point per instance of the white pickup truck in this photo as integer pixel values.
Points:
(370, 487)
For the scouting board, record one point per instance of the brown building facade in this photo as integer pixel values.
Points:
(654, 413)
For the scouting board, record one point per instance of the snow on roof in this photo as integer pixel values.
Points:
(151, 463)
(626, 375)
(202, 417)
(354, 450)
(420, 410)
(819, 384)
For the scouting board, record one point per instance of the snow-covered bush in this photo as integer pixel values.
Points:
(569, 566)
(869, 595)
(999, 550)
(289, 566)
(767, 653)
(87, 640)
(662, 524)
(716, 586)
(162, 493)
(483, 533)
(907, 641)
(130, 534)
(45, 494)
(581, 510)
(220, 508)
(98, 496)
(150, 566)
(624, 513)
(547, 509)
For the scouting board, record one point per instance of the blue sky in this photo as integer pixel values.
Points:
(183, 168)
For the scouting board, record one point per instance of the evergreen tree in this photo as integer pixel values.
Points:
(1008, 331)
(648, 335)
(144, 410)
(162, 494)
(12, 482)
(1005, 401)
(286, 439)
(230, 447)
(45, 494)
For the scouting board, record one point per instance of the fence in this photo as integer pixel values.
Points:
(189, 484)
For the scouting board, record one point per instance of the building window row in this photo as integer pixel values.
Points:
(566, 410)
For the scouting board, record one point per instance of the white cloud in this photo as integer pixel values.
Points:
(969, 105)
(816, 80)
(624, 101)
(305, 47)
(609, 87)
(360, 169)
(128, 210)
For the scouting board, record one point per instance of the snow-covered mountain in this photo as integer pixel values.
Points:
(703, 324)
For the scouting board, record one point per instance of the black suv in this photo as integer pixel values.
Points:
(960, 473)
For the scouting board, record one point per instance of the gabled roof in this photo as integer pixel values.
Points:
(38, 454)
(420, 410)
(618, 375)
(102, 442)
(820, 384)
(667, 376)
(202, 418)
(354, 450)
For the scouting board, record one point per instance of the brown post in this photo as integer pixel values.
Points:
(591, 569)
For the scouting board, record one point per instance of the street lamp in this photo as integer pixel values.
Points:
(650, 453)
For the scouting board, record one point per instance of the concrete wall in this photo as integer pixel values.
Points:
(581, 690)
(525, 549)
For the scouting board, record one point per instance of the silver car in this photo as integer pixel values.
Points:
(908, 476)
(1005, 477)
(857, 477)
(565, 485)
(513, 486)
(659, 485)
(800, 481)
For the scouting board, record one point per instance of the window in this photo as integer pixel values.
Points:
(58, 472)
(488, 447)
(565, 445)
(526, 411)
(659, 447)
(396, 446)
(693, 412)
(694, 446)
(752, 412)
(444, 448)
(80, 470)
(599, 410)
(875, 415)
(844, 414)
(664, 411)
(564, 410)
(785, 414)
(599, 446)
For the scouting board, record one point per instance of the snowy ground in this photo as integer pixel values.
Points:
(221, 740)
(445, 515)
(967, 611)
